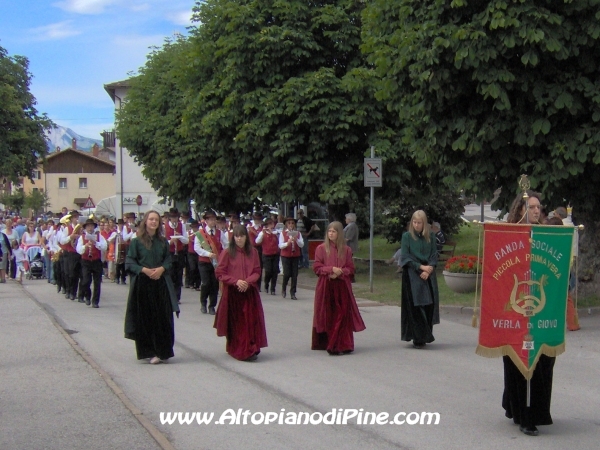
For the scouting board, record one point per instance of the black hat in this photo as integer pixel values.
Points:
(288, 219)
(194, 223)
(208, 214)
(185, 213)
(121, 222)
(90, 221)
(74, 213)
(173, 212)
(129, 214)
(257, 215)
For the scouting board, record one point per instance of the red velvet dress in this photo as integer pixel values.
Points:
(336, 313)
(240, 316)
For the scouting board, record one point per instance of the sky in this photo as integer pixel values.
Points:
(75, 47)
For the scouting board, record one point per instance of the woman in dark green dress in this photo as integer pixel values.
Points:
(420, 298)
(152, 299)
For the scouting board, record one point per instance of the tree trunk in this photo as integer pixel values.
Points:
(589, 257)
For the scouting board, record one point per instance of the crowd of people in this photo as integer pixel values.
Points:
(228, 256)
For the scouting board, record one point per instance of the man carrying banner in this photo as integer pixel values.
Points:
(524, 293)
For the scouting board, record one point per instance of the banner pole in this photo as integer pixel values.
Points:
(371, 212)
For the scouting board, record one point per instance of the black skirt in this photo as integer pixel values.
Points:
(151, 314)
(416, 322)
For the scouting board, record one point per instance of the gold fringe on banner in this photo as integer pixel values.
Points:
(474, 318)
(507, 350)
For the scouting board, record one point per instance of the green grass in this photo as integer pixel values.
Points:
(387, 283)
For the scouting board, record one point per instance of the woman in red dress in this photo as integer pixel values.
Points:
(336, 315)
(240, 316)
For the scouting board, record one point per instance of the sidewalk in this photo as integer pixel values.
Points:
(50, 396)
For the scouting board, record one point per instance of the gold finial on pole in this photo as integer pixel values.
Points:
(524, 184)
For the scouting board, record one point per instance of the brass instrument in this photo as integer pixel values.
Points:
(77, 229)
(56, 256)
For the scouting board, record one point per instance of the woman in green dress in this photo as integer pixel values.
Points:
(152, 299)
(420, 297)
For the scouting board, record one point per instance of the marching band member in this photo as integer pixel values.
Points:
(72, 265)
(90, 246)
(269, 243)
(176, 235)
(290, 243)
(208, 245)
(253, 230)
(192, 275)
(121, 246)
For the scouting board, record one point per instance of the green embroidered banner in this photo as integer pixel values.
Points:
(524, 292)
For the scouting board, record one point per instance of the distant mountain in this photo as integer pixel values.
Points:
(62, 137)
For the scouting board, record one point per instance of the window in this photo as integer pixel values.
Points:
(35, 189)
(37, 175)
(83, 183)
(62, 183)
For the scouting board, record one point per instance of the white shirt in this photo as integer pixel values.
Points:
(100, 244)
(201, 252)
(284, 244)
(184, 239)
(65, 237)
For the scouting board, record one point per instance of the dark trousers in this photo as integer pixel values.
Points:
(290, 269)
(192, 274)
(90, 270)
(209, 286)
(72, 271)
(176, 272)
(13, 267)
(58, 273)
(271, 265)
(120, 272)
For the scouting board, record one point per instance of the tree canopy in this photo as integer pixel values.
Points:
(22, 130)
(264, 99)
(488, 90)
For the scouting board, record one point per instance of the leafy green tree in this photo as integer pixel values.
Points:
(14, 202)
(277, 103)
(487, 90)
(37, 201)
(22, 138)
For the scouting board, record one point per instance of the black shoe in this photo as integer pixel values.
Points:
(252, 358)
(273, 292)
(529, 430)
(211, 310)
(283, 294)
(266, 288)
(203, 309)
(123, 283)
(72, 297)
(187, 287)
(419, 346)
(118, 282)
(88, 301)
(95, 305)
(293, 297)
(80, 300)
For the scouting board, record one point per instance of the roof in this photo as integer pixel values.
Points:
(110, 88)
(80, 152)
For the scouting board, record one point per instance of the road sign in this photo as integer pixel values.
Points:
(89, 203)
(138, 200)
(373, 172)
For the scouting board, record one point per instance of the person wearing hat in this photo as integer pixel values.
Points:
(177, 236)
(192, 275)
(209, 243)
(269, 243)
(127, 233)
(290, 244)
(90, 246)
(254, 229)
(72, 259)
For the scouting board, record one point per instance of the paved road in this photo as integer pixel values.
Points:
(52, 398)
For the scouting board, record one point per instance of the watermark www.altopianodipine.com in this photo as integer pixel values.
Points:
(337, 416)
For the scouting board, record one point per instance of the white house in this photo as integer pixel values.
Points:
(131, 185)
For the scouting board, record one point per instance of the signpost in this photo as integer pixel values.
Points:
(373, 176)
(89, 204)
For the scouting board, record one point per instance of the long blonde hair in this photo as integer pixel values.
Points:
(420, 215)
(340, 243)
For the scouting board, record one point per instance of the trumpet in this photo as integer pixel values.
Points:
(77, 229)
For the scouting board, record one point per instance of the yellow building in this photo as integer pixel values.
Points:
(71, 176)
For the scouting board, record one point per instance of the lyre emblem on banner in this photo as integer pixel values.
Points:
(527, 304)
